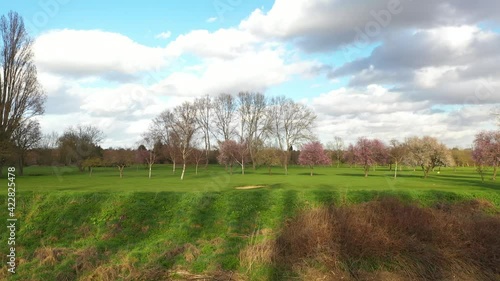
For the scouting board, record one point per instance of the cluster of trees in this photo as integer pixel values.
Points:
(248, 128)
(424, 152)
(243, 129)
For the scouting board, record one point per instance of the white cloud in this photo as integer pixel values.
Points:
(374, 99)
(94, 53)
(223, 43)
(427, 56)
(212, 19)
(164, 35)
(251, 71)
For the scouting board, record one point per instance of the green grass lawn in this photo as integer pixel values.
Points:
(215, 178)
(76, 227)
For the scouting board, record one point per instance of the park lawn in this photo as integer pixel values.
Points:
(215, 178)
(76, 227)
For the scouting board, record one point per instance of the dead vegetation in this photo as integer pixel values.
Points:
(384, 240)
(390, 240)
(49, 255)
(250, 187)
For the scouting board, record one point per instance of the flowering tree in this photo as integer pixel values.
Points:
(313, 154)
(428, 153)
(369, 152)
(487, 152)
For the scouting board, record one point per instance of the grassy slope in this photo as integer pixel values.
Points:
(68, 230)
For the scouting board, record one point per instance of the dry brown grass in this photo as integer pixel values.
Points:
(257, 251)
(389, 240)
(49, 255)
(86, 259)
(111, 273)
(191, 252)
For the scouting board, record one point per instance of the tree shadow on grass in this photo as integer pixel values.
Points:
(489, 184)
(326, 197)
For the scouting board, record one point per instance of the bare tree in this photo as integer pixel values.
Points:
(21, 96)
(121, 158)
(203, 118)
(290, 123)
(253, 121)
(397, 152)
(338, 148)
(233, 152)
(26, 137)
(162, 130)
(146, 152)
(49, 141)
(224, 109)
(197, 156)
(184, 126)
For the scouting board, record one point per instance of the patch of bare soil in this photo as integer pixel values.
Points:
(250, 187)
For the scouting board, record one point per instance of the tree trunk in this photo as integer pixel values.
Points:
(285, 163)
(396, 169)
(196, 169)
(269, 170)
(243, 168)
(120, 168)
(173, 167)
(150, 166)
(90, 171)
(367, 168)
(426, 172)
(495, 170)
(183, 170)
(21, 169)
(312, 169)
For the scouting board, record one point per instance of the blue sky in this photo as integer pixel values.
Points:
(385, 69)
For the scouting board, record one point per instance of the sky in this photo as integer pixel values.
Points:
(385, 69)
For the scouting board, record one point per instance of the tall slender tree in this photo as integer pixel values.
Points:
(224, 110)
(21, 96)
(204, 118)
(184, 127)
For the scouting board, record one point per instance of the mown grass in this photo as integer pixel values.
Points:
(75, 227)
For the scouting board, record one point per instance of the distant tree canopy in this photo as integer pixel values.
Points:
(80, 143)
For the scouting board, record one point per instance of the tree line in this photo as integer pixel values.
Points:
(243, 129)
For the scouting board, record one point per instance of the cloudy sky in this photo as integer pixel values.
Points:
(380, 68)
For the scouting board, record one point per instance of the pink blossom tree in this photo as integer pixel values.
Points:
(369, 152)
(487, 152)
(313, 154)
